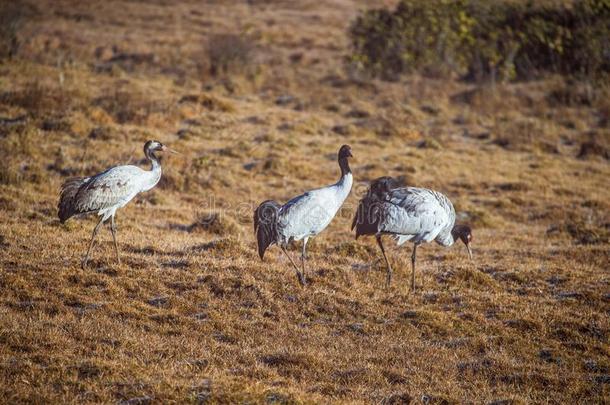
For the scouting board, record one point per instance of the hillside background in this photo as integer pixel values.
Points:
(258, 96)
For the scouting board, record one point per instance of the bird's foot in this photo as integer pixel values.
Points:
(302, 279)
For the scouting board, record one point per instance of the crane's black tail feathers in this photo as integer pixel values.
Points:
(265, 225)
(368, 214)
(366, 220)
(67, 206)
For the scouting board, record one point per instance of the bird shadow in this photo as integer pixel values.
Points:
(152, 251)
(102, 266)
(146, 250)
(176, 264)
(180, 227)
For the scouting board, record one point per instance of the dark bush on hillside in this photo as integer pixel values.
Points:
(480, 39)
(39, 99)
(11, 19)
(229, 53)
(130, 105)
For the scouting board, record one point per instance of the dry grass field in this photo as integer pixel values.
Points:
(257, 97)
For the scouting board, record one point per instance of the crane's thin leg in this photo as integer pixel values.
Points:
(116, 246)
(304, 255)
(387, 262)
(299, 275)
(95, 230)
(413, 267)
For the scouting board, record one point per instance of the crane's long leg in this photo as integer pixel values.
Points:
(299, 275)
(413, 267)
(304, 255)
(387, 262)
(116, 246)
(95, 230)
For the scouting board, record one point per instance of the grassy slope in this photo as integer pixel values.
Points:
(191, 313)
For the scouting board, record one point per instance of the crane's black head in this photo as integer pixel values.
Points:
(151, 147)
(382, 185)
(464, 233)
(345, 152)
(154, 146)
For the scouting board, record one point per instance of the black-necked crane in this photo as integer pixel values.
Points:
(412, 214)
(108, 191)
(304, 216)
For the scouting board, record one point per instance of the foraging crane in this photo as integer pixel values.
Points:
(304, 216)
(408, 213)
(108, 191)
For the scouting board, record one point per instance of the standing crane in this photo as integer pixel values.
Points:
(108, 191)
(409, 214)
(304, 216)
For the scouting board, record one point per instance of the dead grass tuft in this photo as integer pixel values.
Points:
(229, 53)
(470, 277)
(429, 143)
(571, 94)
(16, 160)
(209, 102)
(352, 249)
(39, 99)
(582, 232)
(215, 223)
(224, 246)
(596, 146)
(130, 105)
(479, 217)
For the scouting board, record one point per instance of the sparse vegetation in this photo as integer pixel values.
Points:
(193, 315)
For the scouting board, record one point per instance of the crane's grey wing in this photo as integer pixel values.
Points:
(113, 187)
(69, 189)
(292, 218)
(304, 215)
(415, 211)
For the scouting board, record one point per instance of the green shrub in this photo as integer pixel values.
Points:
(480, 39)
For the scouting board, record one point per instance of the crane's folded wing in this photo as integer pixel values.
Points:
(115, 186)
(414, 211)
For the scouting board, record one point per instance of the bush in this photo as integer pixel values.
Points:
(39, 99)
(11, 19)
(17, 149)
(480, 39)
(416, 36)
(130, 105)
(229, 53)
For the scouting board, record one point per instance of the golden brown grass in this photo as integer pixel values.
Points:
(192, 314)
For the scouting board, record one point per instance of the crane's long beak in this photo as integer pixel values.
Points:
(469, 251)
(166, 149)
